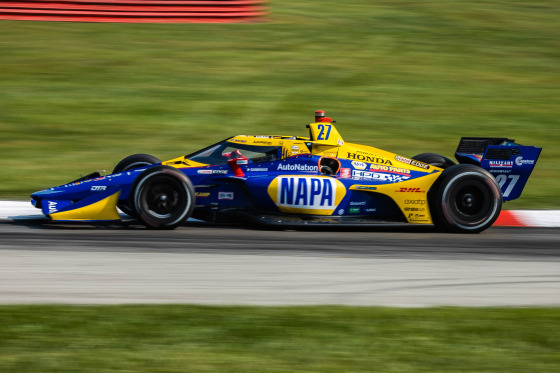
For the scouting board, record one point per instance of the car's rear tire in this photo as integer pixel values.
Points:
(434, 159)
(162, 197)
(132, 162)
(465, 198)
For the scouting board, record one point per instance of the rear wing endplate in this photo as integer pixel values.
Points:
(510, 163)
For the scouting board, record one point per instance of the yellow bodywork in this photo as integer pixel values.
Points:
(102, 210)
(325, 140)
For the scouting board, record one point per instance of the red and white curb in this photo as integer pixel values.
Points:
(20, 210)
(529, 218)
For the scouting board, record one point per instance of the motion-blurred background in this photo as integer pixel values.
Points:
(405, 76)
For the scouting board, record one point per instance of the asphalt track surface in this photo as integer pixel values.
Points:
(45, 262)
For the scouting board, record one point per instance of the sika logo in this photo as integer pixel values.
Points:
(308, 195)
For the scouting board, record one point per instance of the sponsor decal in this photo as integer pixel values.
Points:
(98, 188)
(378, 176)
(262, 142)
(376, 160)
(412, 162)
(519, 161)
(500, 164)
(298, 167)
(295, 148)
(242, 162)
(340, 212)
(313, 195)
(100, 179)
(210, 171)
(370, 210)
(417, 217)
(357, 203)
(225, 196)
(238, 141)
(391, 169)
(202, 194)
(416, 202)
(414, 209)
(359, 165)
(367, 188)
(345, 172)
(257, 169)
(52, 206)
(410, 189)
(354, 210)
(503, 171)
(263, 136)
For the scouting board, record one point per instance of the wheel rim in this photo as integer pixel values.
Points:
(471, 202)
(164, 197)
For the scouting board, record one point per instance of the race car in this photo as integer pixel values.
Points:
(319, 179)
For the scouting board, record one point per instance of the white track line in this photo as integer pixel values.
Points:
(20, 210)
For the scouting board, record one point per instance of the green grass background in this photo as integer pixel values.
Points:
(406, 76)
(175, 338)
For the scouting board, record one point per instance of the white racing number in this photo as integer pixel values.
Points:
(502, 180)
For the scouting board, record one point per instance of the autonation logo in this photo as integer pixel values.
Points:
(298, 167)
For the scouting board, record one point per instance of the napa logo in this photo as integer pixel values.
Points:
(306, 195)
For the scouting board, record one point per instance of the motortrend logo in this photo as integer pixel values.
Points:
(298, 167)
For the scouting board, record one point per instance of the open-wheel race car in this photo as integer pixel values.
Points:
(315, 180)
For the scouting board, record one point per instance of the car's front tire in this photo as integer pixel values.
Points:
(133, 162)
(162, 197)
(465, 198)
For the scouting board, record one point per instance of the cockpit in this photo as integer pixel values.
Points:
(215, 154)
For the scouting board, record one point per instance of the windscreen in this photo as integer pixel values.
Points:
(213, 154)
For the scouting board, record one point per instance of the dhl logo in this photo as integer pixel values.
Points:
(306, 195)
(410, 189)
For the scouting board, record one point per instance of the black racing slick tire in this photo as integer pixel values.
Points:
(132, 162)
(465, 199)
(135, 161)
(435, 160)
(162, 197)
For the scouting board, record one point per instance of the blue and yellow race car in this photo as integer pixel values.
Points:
(291, 180)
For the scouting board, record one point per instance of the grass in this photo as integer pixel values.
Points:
(174, 338)
(409, 77)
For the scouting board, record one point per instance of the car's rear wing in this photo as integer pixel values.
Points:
(510, 163)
